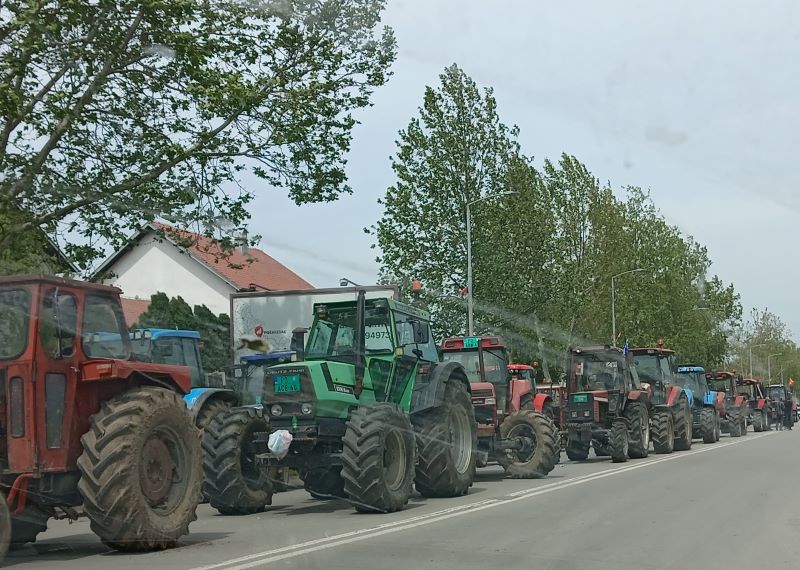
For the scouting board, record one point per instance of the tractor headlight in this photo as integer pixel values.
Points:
(574, 414)
(306, 409)
(276, 410)
(490, 401)
(587, 414)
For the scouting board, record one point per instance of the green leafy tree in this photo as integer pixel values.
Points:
(456, 151)
(113, 113)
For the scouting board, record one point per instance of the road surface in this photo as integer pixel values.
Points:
(727, 505)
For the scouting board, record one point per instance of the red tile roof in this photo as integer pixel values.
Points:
(133, 309)
(254, 268)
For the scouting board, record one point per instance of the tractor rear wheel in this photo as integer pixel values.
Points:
(757, 422)
(742, 421)
(578, 450)
(708, 425)
(378, 458)
(209, 411)
(446, 444)
(639, 423)
(235, 483)
(539, 451)
(26, 526)
(682, 418)
(663, 433)
(619, 441)
(141, 470)
(5, 526)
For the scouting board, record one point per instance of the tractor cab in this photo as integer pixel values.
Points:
(693, 378)
(655, 367)
(169, 346)
(601, 375)
(485, 360)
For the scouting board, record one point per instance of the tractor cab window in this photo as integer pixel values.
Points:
(745, 390)
(405, 325)
(15, 306)
(777, 393)
(104, 334)
(649, 367)
(694, 381)
(58, 324)
(593, 374)
(333, 334)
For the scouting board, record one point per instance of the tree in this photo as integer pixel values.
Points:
(113, 113)
(454, 152)
(175, 313)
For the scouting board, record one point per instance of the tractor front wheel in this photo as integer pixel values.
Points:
(708, 425)
(378, 458)
(742, 421)
(5, 527)
(619, 442)
(682, 418)
(538, 451)
(735, 423)
(639, 423)
(141, 470)
(577, 450)
(663, 433)
(209, 411)
(447, 442)
(758, 421)
(235, 483)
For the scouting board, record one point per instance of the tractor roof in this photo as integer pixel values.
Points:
(520, 367)
(596, 349)
(54, 280)
(749, 381)
(170, 333)
(472, 342)
(690, 368)
(380, 301)
(656, 350)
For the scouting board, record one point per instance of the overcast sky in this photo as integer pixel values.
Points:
(696, 101)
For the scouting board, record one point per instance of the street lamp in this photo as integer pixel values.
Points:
(614, 304)
(470, 319)
(769, 370)
(750, 348)
(344, 282)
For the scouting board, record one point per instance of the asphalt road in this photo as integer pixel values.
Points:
(726, 505)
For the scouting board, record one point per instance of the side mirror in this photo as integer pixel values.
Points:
(298, 343)
(419, 331)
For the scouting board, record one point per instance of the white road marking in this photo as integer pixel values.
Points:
(308, 547)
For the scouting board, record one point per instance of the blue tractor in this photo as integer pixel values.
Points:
(705, 412)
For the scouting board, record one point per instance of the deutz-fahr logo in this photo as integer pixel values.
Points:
(342, 389)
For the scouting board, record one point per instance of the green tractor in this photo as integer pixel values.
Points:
(371, 411)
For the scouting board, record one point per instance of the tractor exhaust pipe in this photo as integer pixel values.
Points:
(360, 344)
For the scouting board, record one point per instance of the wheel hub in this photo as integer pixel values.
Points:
(157, 471)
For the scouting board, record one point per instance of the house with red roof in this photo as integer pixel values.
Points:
(186, 264)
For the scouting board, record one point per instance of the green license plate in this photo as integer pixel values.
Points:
(580, 398)
(287, 383)
(470, 342)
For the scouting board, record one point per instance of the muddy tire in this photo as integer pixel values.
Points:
(577, 450)
(619, 442)
(447, 443)
(663, 433)
(235, 483)
(5, 527)
(682, 419)
(639, 426)
(26, 526)
(209, 411)
(539, 456)
(708, 425)
(378, 458)
(141, 470)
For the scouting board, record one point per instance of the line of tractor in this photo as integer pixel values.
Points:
(345, 389)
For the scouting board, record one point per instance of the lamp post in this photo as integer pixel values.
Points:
(470, 319)
(750, 349)
(769, 370)
(344, 282)
(614, 304)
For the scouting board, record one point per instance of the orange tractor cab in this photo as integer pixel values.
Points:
(83, 424)
(514, 429)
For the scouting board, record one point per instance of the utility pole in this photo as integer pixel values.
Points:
(614, 304)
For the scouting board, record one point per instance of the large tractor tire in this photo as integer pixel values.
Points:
(708, 425)
(758, 421)
(141, 470)
(663, 433)
(209, 411)
(235, 483)
(29, 524)
(378, 458)
(682, 418)
(578, 450)
(619, 442)
(639, 426)
(734, 423)
(5, 527)
(538, 456)
(447, 444)
(742, 422)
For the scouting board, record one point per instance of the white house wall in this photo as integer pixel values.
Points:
(155, 265)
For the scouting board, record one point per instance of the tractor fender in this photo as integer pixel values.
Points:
(740, 402)
(199, 397)
(429, 388)
(720, 403)
(760, 403)
(519, 392)
(673, 392)
(689, 395)
(539, 401)
(710, 399)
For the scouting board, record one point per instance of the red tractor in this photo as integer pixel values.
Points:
(734, 407)
(759, 406)
(512, 428)
(85, 429)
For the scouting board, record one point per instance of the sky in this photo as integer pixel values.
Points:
(695, 101)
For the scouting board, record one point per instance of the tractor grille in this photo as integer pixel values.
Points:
(482, 393)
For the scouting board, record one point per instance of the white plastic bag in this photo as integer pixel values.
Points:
(279, 443)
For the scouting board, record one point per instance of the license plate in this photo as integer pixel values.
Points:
(580, 398)
(470, 342)
(287, 383)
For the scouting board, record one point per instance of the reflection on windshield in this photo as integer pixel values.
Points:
(494, 362)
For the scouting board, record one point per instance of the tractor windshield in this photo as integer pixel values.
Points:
(15, 305)
(494, 364)
(777, 393)
(333, 335)
(719, 385)
(695, 381)
(598, 372)
(745, 390)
